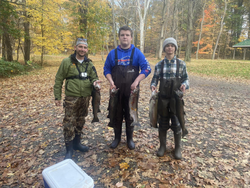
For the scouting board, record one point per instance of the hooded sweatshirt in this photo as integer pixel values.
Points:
(139, 60)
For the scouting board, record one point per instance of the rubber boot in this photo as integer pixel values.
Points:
(117, 139)
(177, 141)
(69, 150)
(130, 142)
(162, 137)
(77, 145)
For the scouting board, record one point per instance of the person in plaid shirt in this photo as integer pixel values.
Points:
(172, 74)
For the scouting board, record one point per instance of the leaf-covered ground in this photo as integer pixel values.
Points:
(216, 152)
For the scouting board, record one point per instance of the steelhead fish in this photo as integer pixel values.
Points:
(153, 109)
(96, 98)
(180, 111)
(133, 106)
(112, 106)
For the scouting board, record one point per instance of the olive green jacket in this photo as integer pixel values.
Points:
(74, 87)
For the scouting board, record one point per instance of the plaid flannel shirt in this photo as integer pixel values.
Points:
(169, 71)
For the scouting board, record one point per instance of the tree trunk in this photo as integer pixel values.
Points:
(177, 23)
(173, 27)
(8, 47)
(221, 27)
(42, 30)
(181, 23)
(26, 41)
(3, 48)
(249, 22)
(142, 19)
(102, 52)
(157, 50)
(225, 46)
(83, 20)
(198, 45)
(190, 31)
(107, 48)
(114, 26)
(26, 25)
(135, 41)
(179, 49)
(17, 51)
(164, 18)
(1, 44)
(142, 36)
(218, 56)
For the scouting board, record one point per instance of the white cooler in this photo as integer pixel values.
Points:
(66, 174)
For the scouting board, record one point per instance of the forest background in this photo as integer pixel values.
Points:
(203, 28)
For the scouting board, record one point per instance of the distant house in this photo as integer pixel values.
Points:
(244, 44)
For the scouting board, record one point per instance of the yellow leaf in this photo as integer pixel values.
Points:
(124, 165)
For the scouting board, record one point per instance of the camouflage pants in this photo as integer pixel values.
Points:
(76, 109)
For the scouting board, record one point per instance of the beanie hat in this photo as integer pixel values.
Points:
(169, 40)
(81, 41)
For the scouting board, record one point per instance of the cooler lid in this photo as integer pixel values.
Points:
(67, 174)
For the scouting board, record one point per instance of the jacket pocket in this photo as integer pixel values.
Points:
(87, 88)
(72, 87)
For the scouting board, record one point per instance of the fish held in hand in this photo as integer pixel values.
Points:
(153, 109)
(133, 107)
(96, 98)
(180, 111)
(113, 101)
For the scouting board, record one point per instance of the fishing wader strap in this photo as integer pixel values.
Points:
(131, 56)
(82, 75)
(177, 68)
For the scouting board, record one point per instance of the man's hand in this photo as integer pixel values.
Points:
(112, 86)
(134, 85)
(111, 82)
(137, 81)
(183, 88)
(153, 88)
(97, 82)
(58, 102)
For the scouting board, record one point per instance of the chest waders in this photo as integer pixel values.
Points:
(167, 111)
(123, 77)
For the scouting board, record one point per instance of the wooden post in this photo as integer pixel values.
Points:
(234, 54)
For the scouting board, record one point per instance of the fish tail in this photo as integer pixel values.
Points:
(135, 124)
(95, 119)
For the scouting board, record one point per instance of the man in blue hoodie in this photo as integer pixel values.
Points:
(121, 69)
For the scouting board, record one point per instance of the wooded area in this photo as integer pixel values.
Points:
(203, 28)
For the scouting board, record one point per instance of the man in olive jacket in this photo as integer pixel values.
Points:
(80, 75)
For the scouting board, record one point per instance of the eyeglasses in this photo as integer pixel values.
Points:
(82, 39)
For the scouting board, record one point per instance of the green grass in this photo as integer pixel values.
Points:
(204, 67)
(216, 68)
(221, 68)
